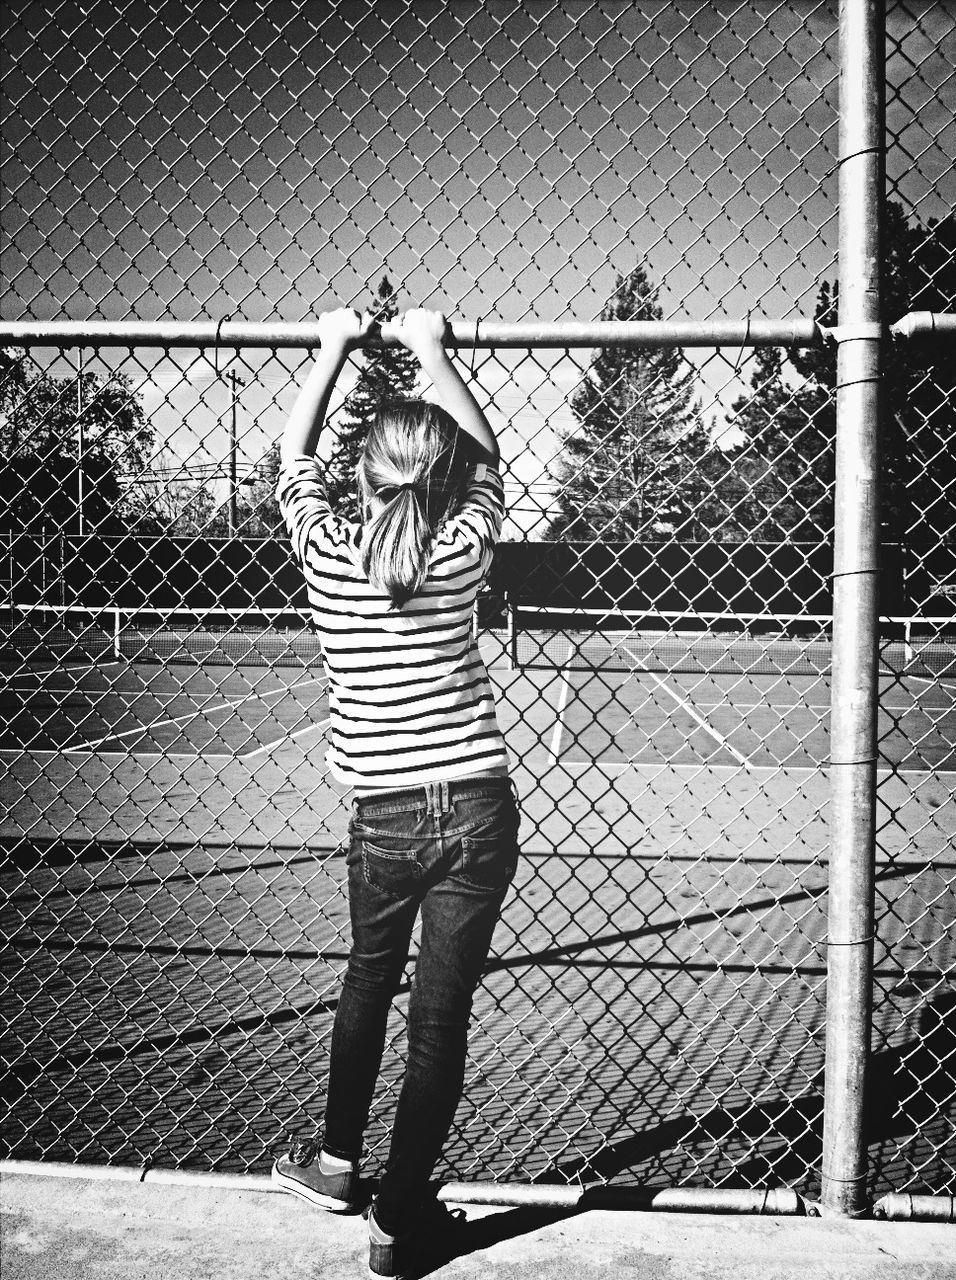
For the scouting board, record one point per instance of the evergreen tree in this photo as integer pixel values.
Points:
(386, 373)
(259, 515)
(624, 471)
(785, 467)
(780, 480)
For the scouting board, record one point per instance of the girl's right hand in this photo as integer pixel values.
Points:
(422, 332)
(342, 329)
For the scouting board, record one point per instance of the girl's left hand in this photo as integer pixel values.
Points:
(343, 328)
(422, 332)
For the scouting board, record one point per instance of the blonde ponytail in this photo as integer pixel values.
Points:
(395, 547)
(413, 463)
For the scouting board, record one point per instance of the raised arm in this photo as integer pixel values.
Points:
(339, 332)
(423, 333)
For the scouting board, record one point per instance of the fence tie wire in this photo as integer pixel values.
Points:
(870, 332)
(218, 340)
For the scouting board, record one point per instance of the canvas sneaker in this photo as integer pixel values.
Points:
(401, 1256)
(300, 1173)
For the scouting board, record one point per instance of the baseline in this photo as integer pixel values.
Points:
(882, 771)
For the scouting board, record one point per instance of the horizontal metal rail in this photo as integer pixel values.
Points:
(797, 332)
(563, 335)
(925, 324)
(775, 1201)
(899, 1206)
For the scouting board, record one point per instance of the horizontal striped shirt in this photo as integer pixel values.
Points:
(409, 696)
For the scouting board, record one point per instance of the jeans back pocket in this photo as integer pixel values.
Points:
(488, 862)
(396, 871)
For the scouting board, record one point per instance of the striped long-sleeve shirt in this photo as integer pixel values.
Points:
(409, 697)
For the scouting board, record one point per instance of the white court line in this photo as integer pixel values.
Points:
(144, 728)
(659, 767)
(686, 706)
(704, 767)
(704, 724)
(818, 708)
(45, 753)
(24, 672)
(287, 737)
(196, 713)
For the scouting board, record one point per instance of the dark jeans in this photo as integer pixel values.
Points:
(448, 849)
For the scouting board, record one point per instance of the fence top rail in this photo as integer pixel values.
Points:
(798, 331)
(925, 324)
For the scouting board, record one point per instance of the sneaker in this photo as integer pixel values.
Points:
(299, 1173)
(399, 1257)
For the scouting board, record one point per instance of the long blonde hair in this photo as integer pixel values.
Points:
(415, 462)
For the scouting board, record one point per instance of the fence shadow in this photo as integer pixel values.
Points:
(911, 1093)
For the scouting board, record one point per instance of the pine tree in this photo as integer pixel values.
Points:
(623, 471)
(780, 480)
(784, 470)
(386, 373)
(259, 515)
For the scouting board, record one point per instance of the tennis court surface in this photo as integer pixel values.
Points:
(178, 927)
(184, 684)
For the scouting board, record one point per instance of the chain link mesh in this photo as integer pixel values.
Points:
(656, 621)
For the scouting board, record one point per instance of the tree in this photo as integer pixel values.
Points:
(386, 373)
(779, 483)
(624, 471)
(259, 511)
(788, 417)
(72, 449)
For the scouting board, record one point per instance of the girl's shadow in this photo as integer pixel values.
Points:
(463, 1238)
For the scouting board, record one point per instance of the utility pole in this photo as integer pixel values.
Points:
(80, 450)
(232, 508)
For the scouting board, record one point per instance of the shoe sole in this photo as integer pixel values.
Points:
(395, 1275)
(313, 1197)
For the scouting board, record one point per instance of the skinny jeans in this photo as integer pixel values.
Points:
(448, 850)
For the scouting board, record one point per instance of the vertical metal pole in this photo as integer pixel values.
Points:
(80, 449)
(855, 617)
(233, 507)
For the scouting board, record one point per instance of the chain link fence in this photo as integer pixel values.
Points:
(657, 622)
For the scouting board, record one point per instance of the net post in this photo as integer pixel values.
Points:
(855, 618)
(512, 632)
(116, 635)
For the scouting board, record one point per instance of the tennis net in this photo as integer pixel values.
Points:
(717, 643)
(53, 635)
(538, 637)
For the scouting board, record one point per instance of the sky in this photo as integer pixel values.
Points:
(498, 160)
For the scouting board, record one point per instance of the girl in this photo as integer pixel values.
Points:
(413, 730)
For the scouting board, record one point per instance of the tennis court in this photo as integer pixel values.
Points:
(180, 684)
(180, 934)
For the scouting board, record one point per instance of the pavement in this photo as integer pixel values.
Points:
(86, 1226)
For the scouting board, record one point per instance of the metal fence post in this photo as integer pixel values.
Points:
(855, 605)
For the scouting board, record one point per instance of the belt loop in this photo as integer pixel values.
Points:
(445, 805)
(430, 797)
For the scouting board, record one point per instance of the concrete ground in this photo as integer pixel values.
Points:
(83, 1227)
